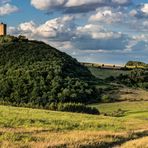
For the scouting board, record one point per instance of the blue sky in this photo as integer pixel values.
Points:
(104, 31)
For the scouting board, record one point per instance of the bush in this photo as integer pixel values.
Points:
(73, 107)
(144, 85)
(118, 113)
(107, 99)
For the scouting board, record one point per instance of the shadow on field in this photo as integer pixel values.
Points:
(113, 140)
(120, 140)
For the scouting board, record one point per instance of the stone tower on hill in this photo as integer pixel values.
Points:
(3, 29)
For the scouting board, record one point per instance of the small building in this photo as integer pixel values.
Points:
(3, 29)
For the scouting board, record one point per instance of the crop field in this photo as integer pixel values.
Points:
(23, 127)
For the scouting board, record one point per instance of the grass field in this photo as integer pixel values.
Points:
(34, 128)
(22, 127)
(105, 73)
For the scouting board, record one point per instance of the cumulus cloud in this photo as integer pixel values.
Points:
(47, 4)
(141, 11)
(96, 35)
(62, 30)
(122, 2)
(7, 8)
(144, 9)
(96, 32)
(107, 15)
(145, 24)
(74, 3)
(76, 6)
(58, 29)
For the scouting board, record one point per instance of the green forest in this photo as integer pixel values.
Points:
(34, 73)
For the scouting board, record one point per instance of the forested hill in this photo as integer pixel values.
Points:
(36, 73)
(136, 63)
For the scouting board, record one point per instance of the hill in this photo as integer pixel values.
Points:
(32, 72)
(136, 64)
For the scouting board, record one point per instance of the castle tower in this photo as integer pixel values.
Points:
(3, 29)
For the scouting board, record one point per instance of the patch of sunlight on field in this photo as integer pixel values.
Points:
(11, 117)
(138, 143)
(132, 110)
(126, 105)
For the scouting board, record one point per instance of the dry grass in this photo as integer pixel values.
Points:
(129, 94)
(76, 139)
(79, 138)
(33, 128)
(138, 143)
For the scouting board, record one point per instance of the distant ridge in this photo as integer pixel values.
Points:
(129, 64)
(102, 65)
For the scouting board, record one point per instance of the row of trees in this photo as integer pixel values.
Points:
(12, 39)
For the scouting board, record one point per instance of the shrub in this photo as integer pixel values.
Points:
(106, 99)
(144, 85)
(118, 113)
(73, 107)
(111, 78)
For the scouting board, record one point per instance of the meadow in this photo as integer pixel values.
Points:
(123, 123)
(23, 127)
(105, 73)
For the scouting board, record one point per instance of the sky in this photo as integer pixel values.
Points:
(101, 31)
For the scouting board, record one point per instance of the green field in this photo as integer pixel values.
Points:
(105, 73)
(22, 127)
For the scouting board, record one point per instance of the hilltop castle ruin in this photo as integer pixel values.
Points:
(3, 29)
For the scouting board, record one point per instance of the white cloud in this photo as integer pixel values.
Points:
(74, 3)
(122, 2)
(144, 9)
(7, 8)
(141, 37)
(46, 4)
(133, 12)
(140, 11)
(96, 32)
(58, 28)
(145, 24)
(97, 36)
(107, 15)
(27, 27)
(73, 6)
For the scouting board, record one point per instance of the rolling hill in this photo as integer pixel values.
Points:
(32, 72)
